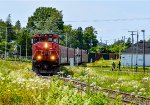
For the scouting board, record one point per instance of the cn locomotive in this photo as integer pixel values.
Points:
(48, 54)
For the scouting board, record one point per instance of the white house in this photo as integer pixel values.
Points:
(134, 55)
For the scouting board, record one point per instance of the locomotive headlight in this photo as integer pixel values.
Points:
(39, 57)
(46, 45)
(52, 57)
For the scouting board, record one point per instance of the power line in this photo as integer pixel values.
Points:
(96, 20)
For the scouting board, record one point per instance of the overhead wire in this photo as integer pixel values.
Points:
(96, 20)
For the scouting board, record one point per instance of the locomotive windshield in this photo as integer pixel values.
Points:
(45, 38)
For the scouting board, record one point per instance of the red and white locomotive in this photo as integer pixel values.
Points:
(47, 54)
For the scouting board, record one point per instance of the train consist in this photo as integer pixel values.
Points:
(48, 54)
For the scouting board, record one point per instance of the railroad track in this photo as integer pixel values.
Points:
(127, 98)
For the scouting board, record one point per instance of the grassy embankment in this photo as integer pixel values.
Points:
(100, 73)
(19, 86)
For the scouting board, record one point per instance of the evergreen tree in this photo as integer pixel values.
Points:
(10, 34)
(18, 25)
(128, 43)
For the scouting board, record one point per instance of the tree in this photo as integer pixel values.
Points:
(2, 30)
(10, 34)
(21, 40)
(76, 38)
(67, 37)
(89, 38)
(128, 43)
(45, 20)
(18, 25)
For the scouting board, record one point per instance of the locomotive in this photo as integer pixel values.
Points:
(48, 54)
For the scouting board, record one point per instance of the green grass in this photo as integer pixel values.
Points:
(137, 83)
(107, 65)
(20, 86)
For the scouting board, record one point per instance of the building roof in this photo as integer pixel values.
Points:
(140, 48)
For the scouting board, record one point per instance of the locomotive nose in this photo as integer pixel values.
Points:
(45, 45)
(45, 66)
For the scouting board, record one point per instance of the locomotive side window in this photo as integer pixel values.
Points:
(55, 40)
(35, 40)
(50, 39)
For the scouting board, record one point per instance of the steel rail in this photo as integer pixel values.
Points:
(125, 97)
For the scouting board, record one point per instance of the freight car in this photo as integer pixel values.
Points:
(48, 54)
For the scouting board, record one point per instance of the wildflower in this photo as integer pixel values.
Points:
(117, 87)
(2, 78)
(120, 80)
(145, 79)
(0, 74)
(139, 93)
(93, 84)
(69, 76)
(32, 88)
(132, 93)
(105, 93)
(135, 86)
(100, 88)
(84, 88)
(78, 86)
(142, 89)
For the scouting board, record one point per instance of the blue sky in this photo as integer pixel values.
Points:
(83, 13)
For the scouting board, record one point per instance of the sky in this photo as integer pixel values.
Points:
(112, 19)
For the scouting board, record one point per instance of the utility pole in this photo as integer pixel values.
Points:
(20, 54)
(101, 40)
(0, 34)
(143, 50)
(6, 44)
(136, 69)
(26, 48)
(106, 43)
(91, 44)
(132, 33)
(66, 40)
(114, 40)
(124, 40)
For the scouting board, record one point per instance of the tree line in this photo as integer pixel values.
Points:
(50, 20)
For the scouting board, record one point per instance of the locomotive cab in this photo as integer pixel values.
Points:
(45, 52)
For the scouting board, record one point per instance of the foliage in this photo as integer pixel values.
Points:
(125, 81)
(45, 20)
(10, 33)
(23, 36)
(17, 25)
(83, 39)
(116, 47)
(89, 38)
(18, 85)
